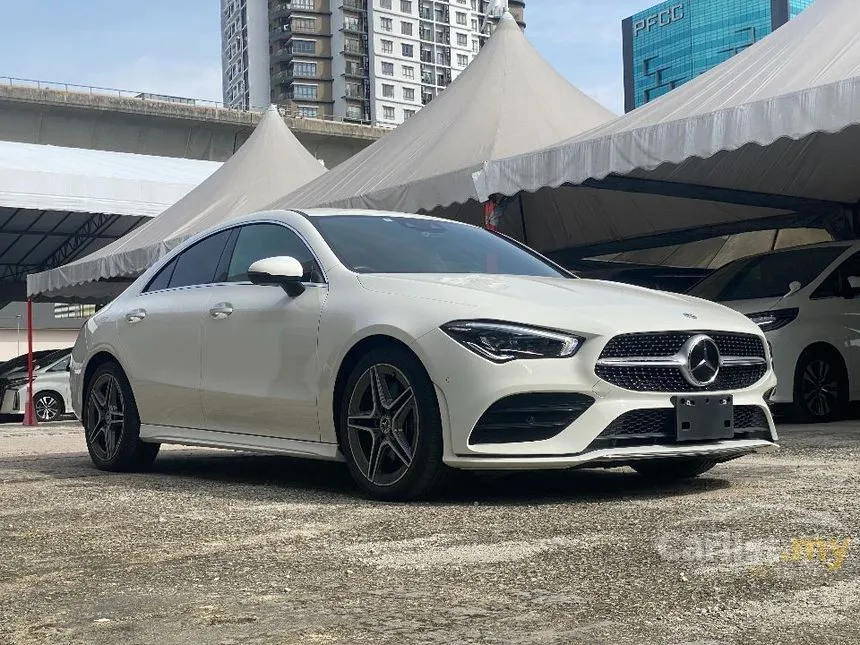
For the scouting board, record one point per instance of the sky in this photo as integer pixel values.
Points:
(173, 46)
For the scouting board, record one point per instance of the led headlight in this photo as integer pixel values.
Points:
(773, 320)
(503, 342)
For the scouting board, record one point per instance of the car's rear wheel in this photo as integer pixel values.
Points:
(48, 406)
(389, 427)
(112, 424)
(673, 469)
(820, 387)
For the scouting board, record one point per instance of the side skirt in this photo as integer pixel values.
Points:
(236, 441)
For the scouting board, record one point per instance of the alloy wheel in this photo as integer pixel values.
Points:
(47, 407)
(820, 388)
(105, 416)
(383, 424)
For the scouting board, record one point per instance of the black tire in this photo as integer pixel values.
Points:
(113, 438)
(673, 469)
(418, 429)
(48, 406)
(820, 387)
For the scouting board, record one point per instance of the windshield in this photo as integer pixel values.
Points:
(766, 276)
(381, 244)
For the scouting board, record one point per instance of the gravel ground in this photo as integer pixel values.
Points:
(217, 547)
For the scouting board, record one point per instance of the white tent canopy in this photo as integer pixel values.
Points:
(507, 101)
(53, 178)
(767, 139)
(270, 163)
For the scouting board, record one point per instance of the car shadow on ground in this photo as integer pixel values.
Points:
(284, 477)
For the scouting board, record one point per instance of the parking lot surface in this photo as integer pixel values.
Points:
(220, 547)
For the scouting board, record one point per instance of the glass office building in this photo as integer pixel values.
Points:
(673, 42)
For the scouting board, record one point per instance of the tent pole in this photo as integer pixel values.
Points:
(29, 412)
(523, 219)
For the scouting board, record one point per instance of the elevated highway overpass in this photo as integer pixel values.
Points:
(80, 117)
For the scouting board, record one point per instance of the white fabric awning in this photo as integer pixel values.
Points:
(507, 101)
(269, 163)
(769, 136)
(52, 178)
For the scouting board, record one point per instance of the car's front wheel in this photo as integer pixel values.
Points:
(673, 469)
(112, 424)
(389, 427)
(48, 406)
(820, 387)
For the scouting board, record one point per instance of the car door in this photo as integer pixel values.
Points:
(835, 315)
(160, 334)
(260, 345)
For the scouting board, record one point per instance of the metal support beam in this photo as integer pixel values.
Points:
(68, 251)
(789, 220)
(801, 205)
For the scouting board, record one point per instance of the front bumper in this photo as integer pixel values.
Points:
(467, 386)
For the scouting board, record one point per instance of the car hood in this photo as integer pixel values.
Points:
(590, 306)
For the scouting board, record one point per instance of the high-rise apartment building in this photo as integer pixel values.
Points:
(675, 41)
(361, 60)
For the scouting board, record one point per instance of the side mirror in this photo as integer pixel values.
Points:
(794, 287)
(281, 271)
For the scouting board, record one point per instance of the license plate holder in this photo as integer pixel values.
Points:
(704, 417)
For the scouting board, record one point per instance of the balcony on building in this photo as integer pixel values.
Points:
(354, 5)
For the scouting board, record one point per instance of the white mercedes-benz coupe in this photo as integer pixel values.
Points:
(408, 346)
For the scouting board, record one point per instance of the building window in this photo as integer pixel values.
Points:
(354, 90)
(462, 60)
(408, 71)
(303, 24)
(387, 47)
(462, 40)
(354, 112)
(475, 45)
(461, 18)
(307, 5)
(388, 69)
(304, 91)
(388, 113)
(386, 24)
(73, 311)
(408, 94)
(385, 4)
(408, 113)
(304, 46)
(309, 111)
(387, 91)
(406, 28)
(303, 69)
(406, 6)
(352, 46)
(408, 51)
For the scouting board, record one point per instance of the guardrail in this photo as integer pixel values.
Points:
(287, 109)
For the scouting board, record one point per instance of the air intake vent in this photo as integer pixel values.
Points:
(529, 417)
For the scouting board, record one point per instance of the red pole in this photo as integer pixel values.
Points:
(29, 412)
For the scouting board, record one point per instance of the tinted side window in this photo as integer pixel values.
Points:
(162, 278)
(259, 241)
(62, 366)
(834, 285)
(197, 265)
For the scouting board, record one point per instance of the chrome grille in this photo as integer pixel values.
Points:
(649, 362)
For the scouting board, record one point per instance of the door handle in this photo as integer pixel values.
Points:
(135, 316)
(221, 311)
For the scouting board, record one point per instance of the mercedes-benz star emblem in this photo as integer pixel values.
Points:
(703, 361)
